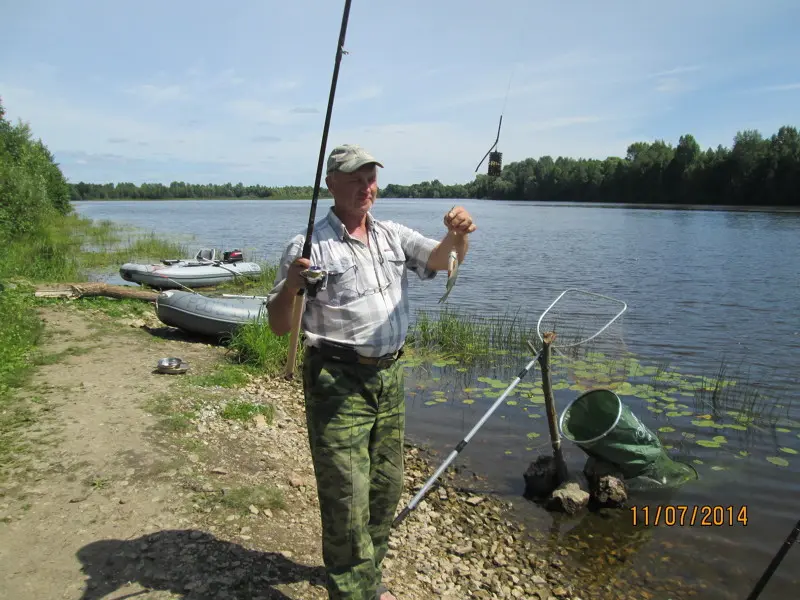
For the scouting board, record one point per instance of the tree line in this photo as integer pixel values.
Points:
(182, 190)
(755, 170)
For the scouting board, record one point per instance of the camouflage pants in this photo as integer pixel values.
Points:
(356, 421)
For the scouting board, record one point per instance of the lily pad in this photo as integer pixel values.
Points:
(788, 450)
(777, 460)
(533, 435)
(697, 461)
(512, 402)
(444, 362)
(698, 423)
(720, 439)
(492, 382)
(783, 430)
(707, 444)
(736, 426)
(718, 468)
(468, 401)
(666, 429)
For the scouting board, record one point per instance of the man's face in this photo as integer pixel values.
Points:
(354, 193)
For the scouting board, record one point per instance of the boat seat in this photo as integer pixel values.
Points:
(206, 254)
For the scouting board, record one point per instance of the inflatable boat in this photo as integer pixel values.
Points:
(205, 270)
(203, 315)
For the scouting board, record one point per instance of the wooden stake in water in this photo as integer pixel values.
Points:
(550, 405)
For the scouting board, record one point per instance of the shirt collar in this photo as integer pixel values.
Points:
(339, 228)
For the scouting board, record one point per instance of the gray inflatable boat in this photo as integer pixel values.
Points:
(207, 269)
(203, 315)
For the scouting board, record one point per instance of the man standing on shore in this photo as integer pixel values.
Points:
(354, 328)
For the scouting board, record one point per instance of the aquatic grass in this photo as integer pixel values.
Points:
(45, 253)
(136, 248)
(62, 249)
(467, 337)
(255, 286)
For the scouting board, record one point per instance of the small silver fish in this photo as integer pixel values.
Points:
(452, 274)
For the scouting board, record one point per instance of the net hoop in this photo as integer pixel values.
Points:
(602, 435)
(598, 332)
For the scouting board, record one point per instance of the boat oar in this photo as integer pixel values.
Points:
(299, 301)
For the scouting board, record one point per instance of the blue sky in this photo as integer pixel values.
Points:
(213, 92)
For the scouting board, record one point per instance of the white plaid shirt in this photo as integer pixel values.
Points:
(364, 299)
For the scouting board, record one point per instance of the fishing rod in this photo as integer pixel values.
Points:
(299, 301)
(776, 560)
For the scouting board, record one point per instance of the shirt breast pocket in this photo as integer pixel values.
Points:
(395, 263)
(340, 286)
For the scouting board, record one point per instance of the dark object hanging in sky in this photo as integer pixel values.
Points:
(495, 157)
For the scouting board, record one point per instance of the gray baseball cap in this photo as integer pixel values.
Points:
(349, 158)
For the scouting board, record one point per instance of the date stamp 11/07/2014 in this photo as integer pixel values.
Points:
(683, 515)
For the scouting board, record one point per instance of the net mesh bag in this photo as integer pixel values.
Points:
(607, 431)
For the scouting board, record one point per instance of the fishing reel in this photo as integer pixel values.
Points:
(314, 277)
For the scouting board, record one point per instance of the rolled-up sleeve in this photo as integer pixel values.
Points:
(416, 247)
(292, 251)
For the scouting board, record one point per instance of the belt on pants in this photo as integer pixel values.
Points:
(348, 354)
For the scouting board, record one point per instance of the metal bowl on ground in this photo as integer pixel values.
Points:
(172, 365)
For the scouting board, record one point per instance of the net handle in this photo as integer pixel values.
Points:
(601, 330)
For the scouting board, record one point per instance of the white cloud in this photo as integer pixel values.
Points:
(367, 92)
(156, 94)
(786, 87)
(283, 85)
(672, 85)
(676, 71)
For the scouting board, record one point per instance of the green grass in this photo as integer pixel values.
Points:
(38, 358)
(225, 375)
(260, 496)
(244, 411)
(170, 418)
(256, 346)
(20, 332)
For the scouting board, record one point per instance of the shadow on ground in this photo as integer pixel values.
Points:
(174, 334)
(191, 563)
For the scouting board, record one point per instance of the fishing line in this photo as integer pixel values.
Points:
(496, 157)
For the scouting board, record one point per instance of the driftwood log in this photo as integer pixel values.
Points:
(82, 290)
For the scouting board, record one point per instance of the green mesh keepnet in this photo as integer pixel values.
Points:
(606, 429)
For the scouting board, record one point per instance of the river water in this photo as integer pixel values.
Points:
(702, 288)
